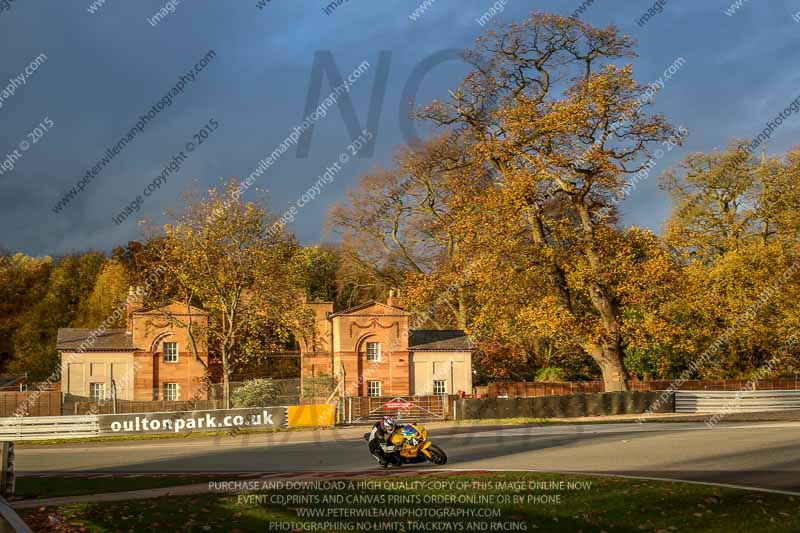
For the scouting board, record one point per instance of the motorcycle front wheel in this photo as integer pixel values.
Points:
(437, 455)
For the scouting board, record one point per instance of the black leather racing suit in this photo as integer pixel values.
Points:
(379, 445)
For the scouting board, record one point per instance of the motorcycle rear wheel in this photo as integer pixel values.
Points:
(438, 457)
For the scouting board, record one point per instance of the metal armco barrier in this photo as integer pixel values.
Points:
(736, 401)
(48, 427)
(83, 426)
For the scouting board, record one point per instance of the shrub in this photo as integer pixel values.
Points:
(551, 373)
(255, 393)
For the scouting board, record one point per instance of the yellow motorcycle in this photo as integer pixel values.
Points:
(411, 441)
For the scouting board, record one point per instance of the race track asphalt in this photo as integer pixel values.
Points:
(763, 455)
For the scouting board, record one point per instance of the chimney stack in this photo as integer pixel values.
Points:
(394, 299)
(134, 302)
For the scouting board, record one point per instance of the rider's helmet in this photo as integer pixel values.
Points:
(388, 424)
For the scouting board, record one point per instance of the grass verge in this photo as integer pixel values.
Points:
(453, 502)
(53, 487)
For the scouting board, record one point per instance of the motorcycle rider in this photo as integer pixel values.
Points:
(380, 445)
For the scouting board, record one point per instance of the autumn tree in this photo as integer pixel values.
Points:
(70, 281)
(734, 227)
(23, 284)
(140, 259)
(748, 297)
(715, 201)
(224, 258)
(401, 225)
(322, 266)
(726, 199)
(779, 196)
(109, 292)
(549, 107)
(355, 283)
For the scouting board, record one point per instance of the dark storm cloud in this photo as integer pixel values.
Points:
(104, 70)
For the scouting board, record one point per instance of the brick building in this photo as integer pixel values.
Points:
(150, 359)
(369, 347)
(373, 350)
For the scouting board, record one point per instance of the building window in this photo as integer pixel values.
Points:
(373, 388)
(170, 352)
(97, 391)
(171, 392)
(439, 387)
(373, 351)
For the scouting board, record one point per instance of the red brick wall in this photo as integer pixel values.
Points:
(315, 364)
(392, 371)
(152, 372)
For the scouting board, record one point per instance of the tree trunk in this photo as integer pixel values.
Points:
(226, 381)
(609, 354)
(462, 310)
(555, 273)
(615, 378)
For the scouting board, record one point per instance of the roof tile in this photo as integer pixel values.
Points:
(436, 339)
(111, 339)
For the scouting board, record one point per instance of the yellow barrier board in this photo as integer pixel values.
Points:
(311, 415)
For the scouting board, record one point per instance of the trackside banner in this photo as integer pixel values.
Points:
(188, 421)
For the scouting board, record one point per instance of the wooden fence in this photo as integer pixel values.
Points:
(31, 403)
(527, 389)
(126, 407)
